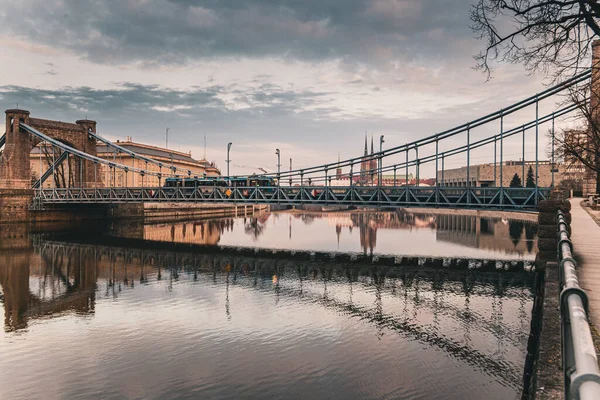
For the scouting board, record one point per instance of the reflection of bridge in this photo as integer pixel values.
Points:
(66, 284)
(79, 271)
(311, 185)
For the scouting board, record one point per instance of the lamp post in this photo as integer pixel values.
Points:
(278, 160)
(228, 160)
(381, 141)
(290, 171)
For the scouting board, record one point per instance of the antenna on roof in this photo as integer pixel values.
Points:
(205, 146)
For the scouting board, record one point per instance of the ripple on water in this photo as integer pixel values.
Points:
(364, 333)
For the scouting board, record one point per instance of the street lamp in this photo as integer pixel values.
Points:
(228, 160)
(381, 141)
(278, 160)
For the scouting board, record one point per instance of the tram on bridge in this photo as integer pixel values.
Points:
(223, 184)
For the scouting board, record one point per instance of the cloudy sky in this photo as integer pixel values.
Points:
(307, 76)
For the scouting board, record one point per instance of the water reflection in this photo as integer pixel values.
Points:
(137, 320)
(478, 319)
(448, 234)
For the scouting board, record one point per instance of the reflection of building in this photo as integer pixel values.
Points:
(199, 232)
(488, 233)
(483, 175)
(41, 159)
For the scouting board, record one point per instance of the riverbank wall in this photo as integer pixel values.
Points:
(151, 211)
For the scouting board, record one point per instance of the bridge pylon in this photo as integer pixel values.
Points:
(15, 170)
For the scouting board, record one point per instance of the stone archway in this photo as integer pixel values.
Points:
(15, 170)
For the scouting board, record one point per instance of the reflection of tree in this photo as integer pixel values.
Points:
(515, 230)
(530, 232)
(254, 227)
(307, 219)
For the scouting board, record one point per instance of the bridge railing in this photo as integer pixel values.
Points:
(397, 196)
(580, 363)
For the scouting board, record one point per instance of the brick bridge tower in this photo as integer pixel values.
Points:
(15, 170)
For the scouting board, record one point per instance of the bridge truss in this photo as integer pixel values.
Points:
(510, 198)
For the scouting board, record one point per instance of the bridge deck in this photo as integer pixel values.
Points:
(586, 243)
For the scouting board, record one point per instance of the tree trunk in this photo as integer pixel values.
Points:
(597, 170)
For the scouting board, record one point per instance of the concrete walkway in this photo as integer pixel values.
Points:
(586, 244)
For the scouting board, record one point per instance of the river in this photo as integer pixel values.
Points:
(176, 310)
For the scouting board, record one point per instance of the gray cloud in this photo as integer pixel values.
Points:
(249, 116)
(176, 31)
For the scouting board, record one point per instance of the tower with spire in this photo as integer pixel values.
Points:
(372, 163)
(364, 166)
(338, 171)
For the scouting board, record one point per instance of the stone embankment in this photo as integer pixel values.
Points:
(543, 377)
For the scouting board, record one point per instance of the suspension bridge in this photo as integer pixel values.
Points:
(76, 145)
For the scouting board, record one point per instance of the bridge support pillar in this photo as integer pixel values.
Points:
(90, 179)
(547, 236)
(15, 171)
(15, 204)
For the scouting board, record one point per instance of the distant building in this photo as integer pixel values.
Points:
(575, 170)
(41, 158)
(483, 175)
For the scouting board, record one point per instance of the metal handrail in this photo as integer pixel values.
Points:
(580, 362)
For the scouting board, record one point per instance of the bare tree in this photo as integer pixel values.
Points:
(579, 147)
(544, 35)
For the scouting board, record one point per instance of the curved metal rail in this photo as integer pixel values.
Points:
(453, 131)
(580, 363)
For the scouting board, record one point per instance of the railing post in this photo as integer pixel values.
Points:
(468, 164)
(406, 177)
(501, 157)
(495, 163)
(326, 187)
(443, 170)
(417, 164)
(437, 184)
(552, 162)
(301, 185)
(53, 170)
(351, 181)
(523, 164)
(536, 149)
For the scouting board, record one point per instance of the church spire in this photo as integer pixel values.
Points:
(372, 152)
(366, 144)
